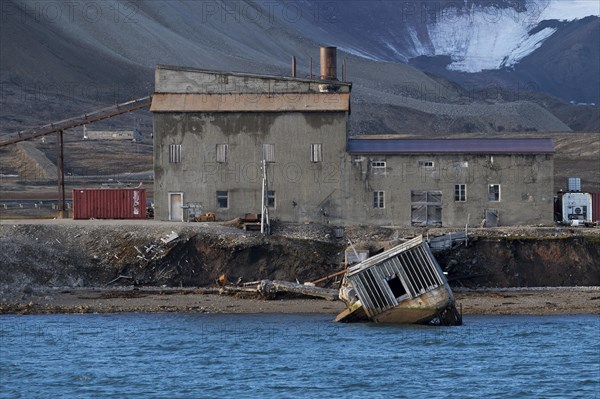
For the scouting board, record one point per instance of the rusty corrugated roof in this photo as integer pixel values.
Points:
(451, 146)
(251, 102)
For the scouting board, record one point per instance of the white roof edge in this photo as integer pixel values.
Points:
(367, 263)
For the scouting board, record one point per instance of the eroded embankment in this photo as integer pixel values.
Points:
(42, 255)
(108, 254)
(524, 262)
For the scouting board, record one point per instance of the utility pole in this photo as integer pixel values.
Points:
(60, 174)
(265, 227)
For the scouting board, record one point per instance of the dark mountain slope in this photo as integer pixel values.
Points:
(567, 65)
(51, 68)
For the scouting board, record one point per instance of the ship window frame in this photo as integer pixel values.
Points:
(396, 286)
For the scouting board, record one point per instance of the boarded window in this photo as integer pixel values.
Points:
(269, 152)
(494, 193)
(426, 208)
(174, 153)
(460, 192)
(378, 199)
(271, 199)
(316, 153)
(222, 152)
(222, 199)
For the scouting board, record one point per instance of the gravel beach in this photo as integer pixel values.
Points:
(533, 301)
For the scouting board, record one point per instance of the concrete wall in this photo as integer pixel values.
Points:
(304, 190)
(526, 185)
(190, 80)
(338, 190)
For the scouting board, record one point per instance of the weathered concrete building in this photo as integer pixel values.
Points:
(452, 182)
(213, 130)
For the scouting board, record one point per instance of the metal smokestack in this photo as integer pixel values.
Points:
(328, 63)
(293, 66)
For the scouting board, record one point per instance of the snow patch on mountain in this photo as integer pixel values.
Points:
(569, 10)
(486, 39)
(528, 46)
(477, 36)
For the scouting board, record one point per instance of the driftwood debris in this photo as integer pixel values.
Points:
(270, 288)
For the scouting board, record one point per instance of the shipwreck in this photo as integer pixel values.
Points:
(404, 284)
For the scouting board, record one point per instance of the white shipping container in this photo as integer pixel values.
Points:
(576, 207)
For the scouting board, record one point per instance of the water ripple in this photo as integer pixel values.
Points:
(296, 356)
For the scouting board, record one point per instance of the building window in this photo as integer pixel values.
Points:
(269, 152)
(494, 193)
(271, 199)
(174, 153)
(426, 208)
(222, 152)
(426, 164)
(378, 164)
(316, 154)
(222, 199)
(378, 199)
(460, 192)
(460, 164)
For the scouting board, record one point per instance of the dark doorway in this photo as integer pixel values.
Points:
(396, 286)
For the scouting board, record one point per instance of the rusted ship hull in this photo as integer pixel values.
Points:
(420, 310)
(437, 304)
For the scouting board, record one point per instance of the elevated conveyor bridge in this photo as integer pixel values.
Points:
(60, 126)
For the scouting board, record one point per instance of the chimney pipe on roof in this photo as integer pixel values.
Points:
(293, 66)
(328, 63)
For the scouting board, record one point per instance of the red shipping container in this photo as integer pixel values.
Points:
(595, 207)
(109, 203)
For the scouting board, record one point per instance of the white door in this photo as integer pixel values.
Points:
(176, 207)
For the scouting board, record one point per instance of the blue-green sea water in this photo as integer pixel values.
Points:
(296, 356)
